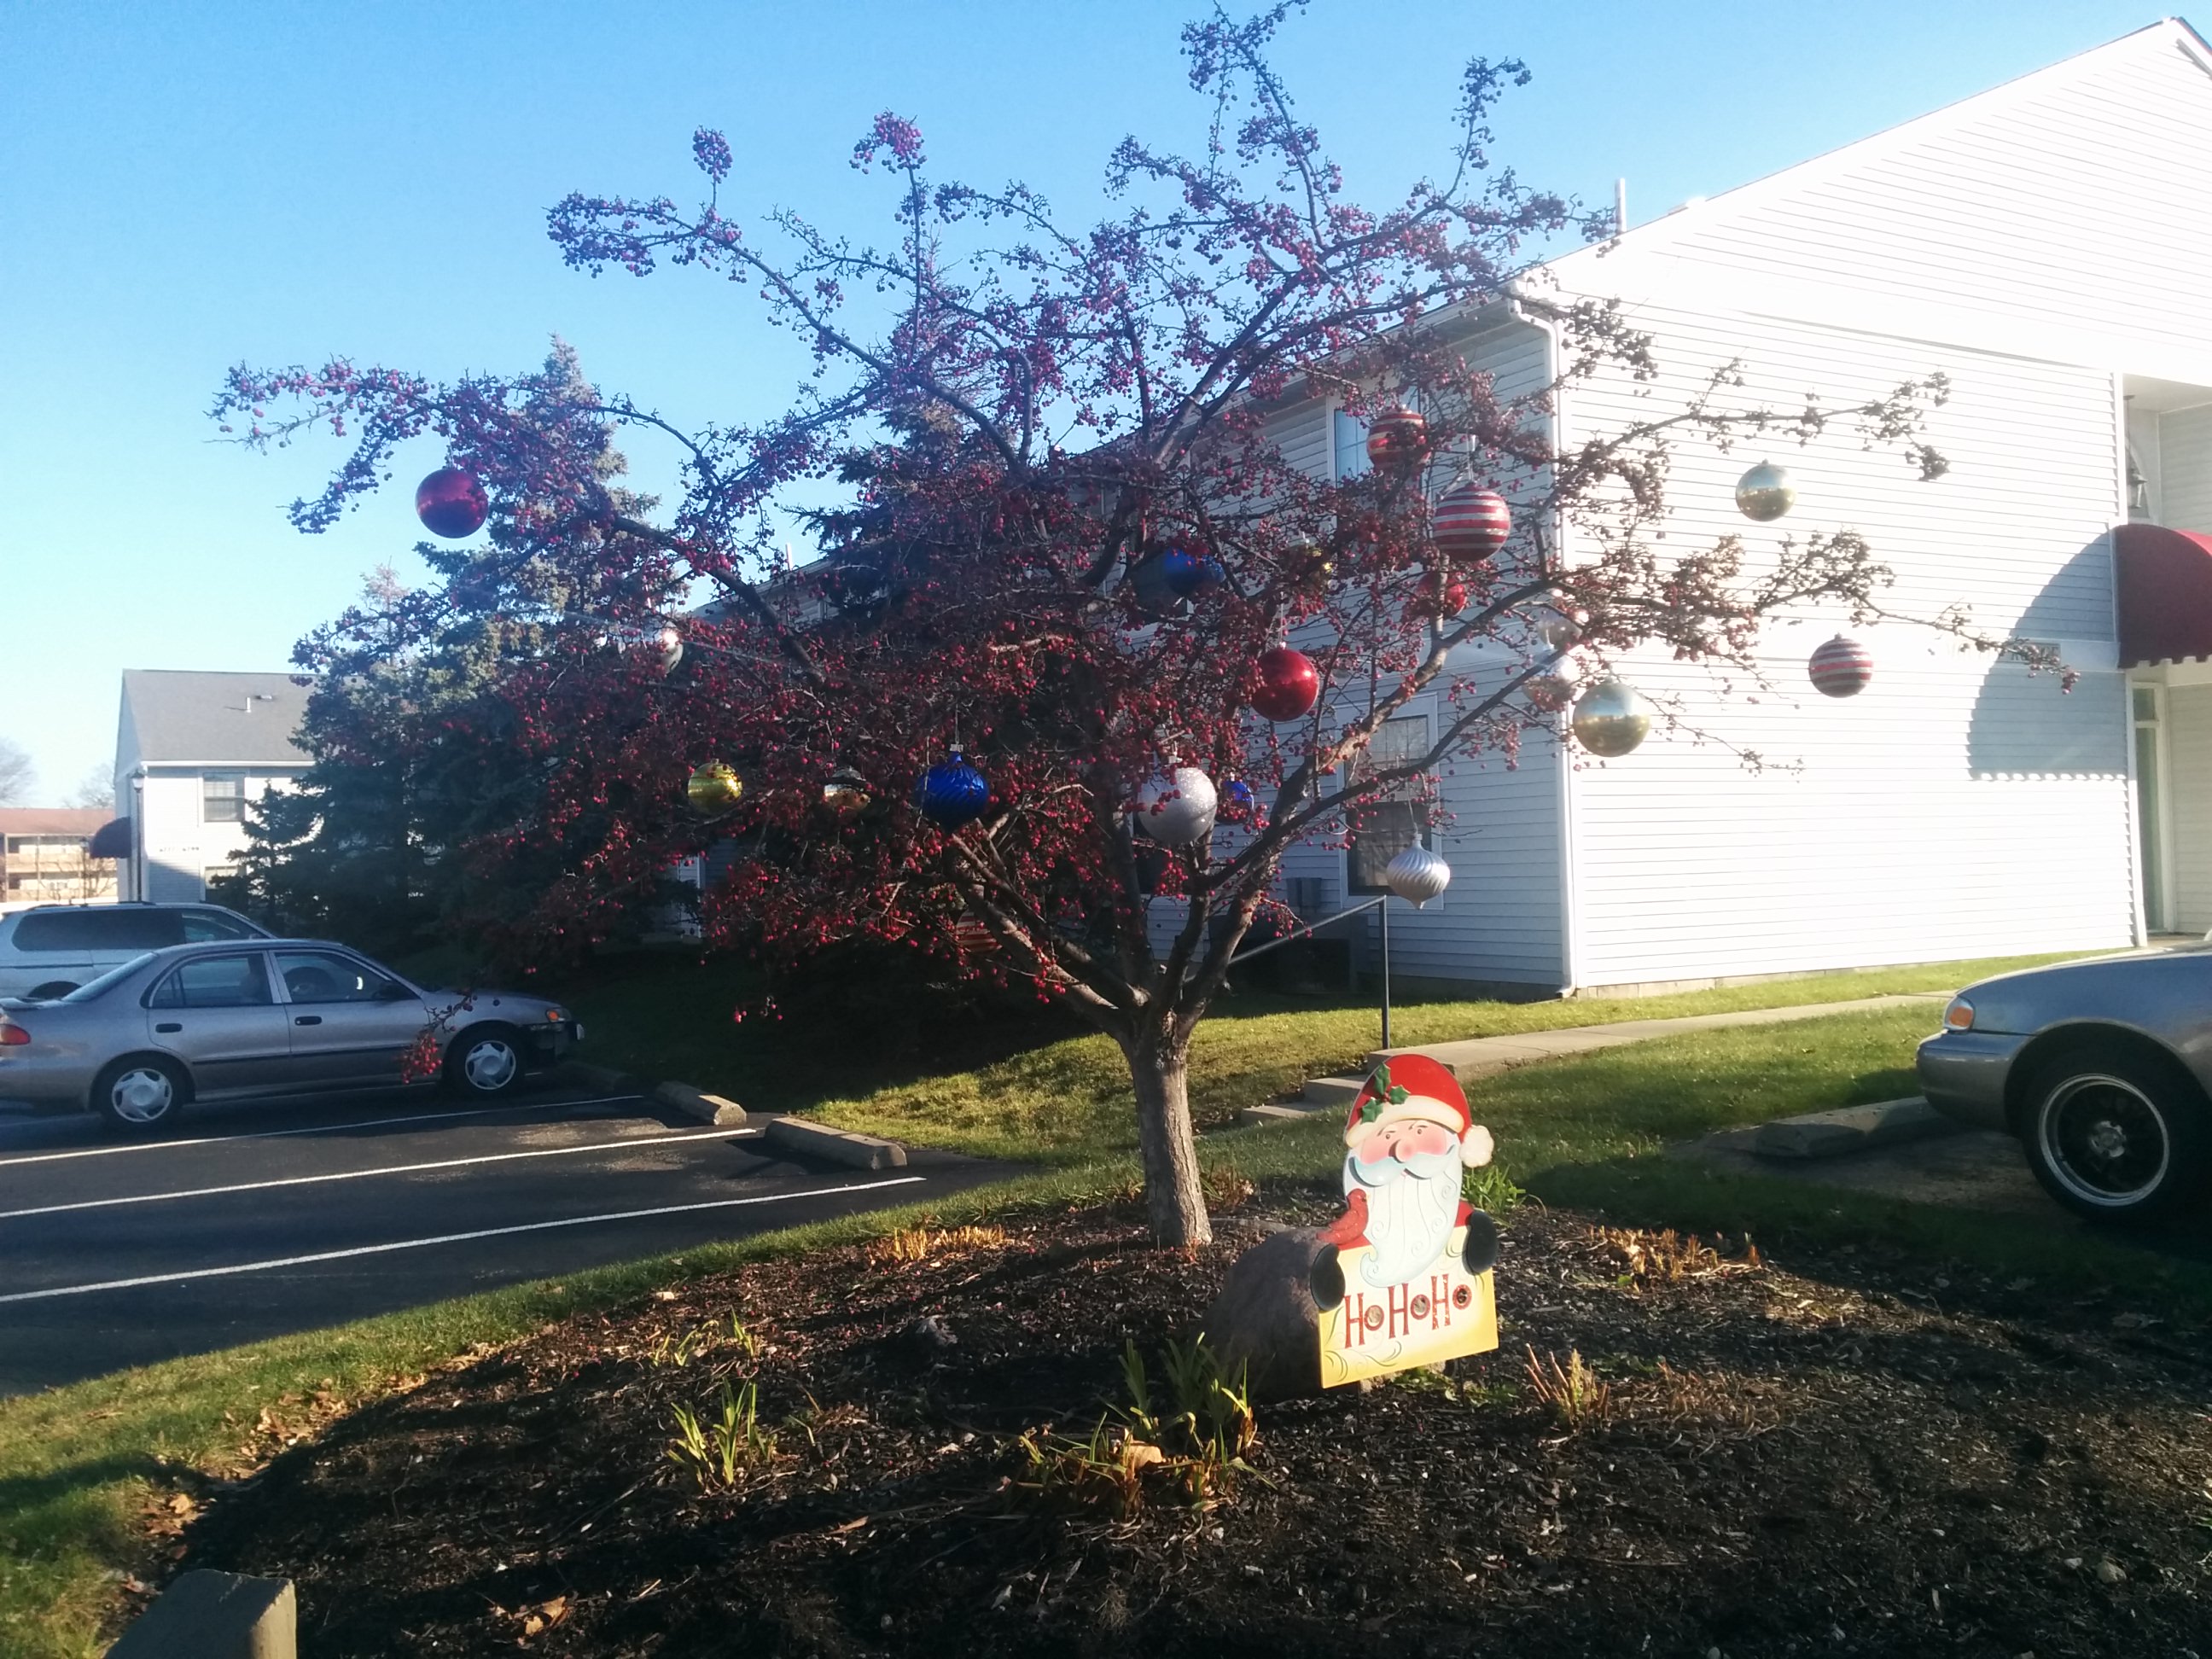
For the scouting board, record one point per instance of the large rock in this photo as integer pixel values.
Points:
(1265, 1320)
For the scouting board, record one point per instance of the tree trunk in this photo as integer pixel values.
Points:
(1174, 1201)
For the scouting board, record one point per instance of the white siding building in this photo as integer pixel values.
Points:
(2048, 247)
(192, 750)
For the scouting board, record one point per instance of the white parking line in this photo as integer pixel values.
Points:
(450, 1238)
(363, 1175)
(313, 1129)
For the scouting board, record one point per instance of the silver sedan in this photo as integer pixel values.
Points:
(268, 1017)
(2101, 1068)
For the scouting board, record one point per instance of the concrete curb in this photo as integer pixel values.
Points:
(820, 1140)
(1850, 1129)
(215, 1615)
(707, 1108)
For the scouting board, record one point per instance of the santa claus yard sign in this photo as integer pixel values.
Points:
(1403, 1276)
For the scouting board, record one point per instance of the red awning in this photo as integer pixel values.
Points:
(112, 839)
(2166, 593)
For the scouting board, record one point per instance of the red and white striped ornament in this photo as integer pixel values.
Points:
(1398, 440)
(1841, 668)
(1470, 523)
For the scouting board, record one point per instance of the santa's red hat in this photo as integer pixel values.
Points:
(1413, 1087)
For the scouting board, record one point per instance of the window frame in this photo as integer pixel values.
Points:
(209, 798)
(258, 958)
(1425, 829)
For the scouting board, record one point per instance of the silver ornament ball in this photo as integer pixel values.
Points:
(1417, 875)
(1611, 719)
(1765, 493)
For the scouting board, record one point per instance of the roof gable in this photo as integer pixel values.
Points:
(188, 717)
(2068, 213)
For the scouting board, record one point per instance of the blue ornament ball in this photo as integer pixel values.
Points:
(1188, 574)
(1239, 795)
(952, 792)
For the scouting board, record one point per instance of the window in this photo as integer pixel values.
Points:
(327, 977)
(1350, 446)
(125, 927)
(222, 797)
(206, 926)
(240, 981)
(19, 845)
(1386, 826)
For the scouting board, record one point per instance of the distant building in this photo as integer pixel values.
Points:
(193, 750)
(46, 857)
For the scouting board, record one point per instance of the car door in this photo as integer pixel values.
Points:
(350, 1023)
(216, 1014)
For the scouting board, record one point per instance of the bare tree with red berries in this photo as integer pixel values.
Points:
(1082, 646)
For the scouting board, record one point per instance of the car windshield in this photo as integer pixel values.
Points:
(93, 988)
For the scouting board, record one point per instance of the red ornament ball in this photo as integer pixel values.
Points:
(1398, 440)
(1469, 523)
(450, 503)
(1285, 683)
(1841, 668)
(1455, 595)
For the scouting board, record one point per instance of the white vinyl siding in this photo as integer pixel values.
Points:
(2188, 733)
(1957, 807)
(2064, 215)
(2185, 471)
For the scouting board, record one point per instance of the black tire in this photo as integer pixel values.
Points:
(141, 1095)
(53, 990)
(473, 1068)
(2116, 1136)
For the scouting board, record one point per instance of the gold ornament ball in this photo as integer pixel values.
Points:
(1610, 719)
(713, 788)
(1765, 493)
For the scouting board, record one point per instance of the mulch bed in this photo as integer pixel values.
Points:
(1855, 1455)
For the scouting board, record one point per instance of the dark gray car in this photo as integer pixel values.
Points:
(263, 1016)
(2101, 1068)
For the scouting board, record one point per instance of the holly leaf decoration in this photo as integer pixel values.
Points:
(1370, 1108)
(1398, 1097)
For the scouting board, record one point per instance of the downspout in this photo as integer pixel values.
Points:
(1570, 905)
(138, 834)
(2131, 812)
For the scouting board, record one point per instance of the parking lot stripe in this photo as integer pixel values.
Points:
(363, 1175)
(450, 1238)
(313, 1129)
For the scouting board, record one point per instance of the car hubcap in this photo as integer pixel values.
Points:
(142, 1096)
(491, 1065)
(2104, 1140)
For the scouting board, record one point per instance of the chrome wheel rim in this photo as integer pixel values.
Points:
(144, 1094)
(2104, 1140)
(490, 1064)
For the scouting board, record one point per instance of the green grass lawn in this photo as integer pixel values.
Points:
(76, 1463)
(1044, 1095)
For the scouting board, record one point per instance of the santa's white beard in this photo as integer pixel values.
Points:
(1411, 1208)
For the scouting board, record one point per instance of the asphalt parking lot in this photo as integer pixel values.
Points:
(255, 1220)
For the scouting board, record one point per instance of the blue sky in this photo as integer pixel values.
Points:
(184, 186)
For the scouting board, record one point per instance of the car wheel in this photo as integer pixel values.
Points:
(53, 990)
(141, 1096)
(484, 1061)
(2115, 1137)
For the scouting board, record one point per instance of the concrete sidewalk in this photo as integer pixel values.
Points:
(1473, 1058)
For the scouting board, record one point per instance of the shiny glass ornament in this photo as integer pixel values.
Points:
(1441, 595)
(1559, 633)
(1417, 875)
(1178, 809)
(714, 789)
(1156, 592)
(1610, 719)
(450, 503)
(1285, 683)
(1397, 440)
(1470, 524)
(1765, 493)
(952, 792)
(1188, 576)
(1237, 795)
(845, 794)
(1841, 668)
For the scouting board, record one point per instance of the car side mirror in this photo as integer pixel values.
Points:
(394, 991)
